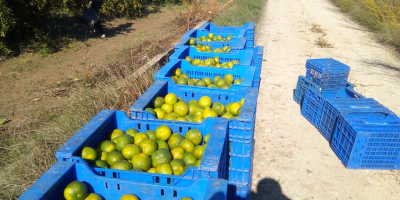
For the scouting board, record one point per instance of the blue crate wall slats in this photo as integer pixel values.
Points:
(52, 184)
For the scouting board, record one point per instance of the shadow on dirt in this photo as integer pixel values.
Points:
(268, 189)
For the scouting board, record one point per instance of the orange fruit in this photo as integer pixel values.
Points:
(75, 190)
(177, 152)
(194, 135)
(175, 140)
(160, 156)
(177, 166)
(164, 168)
(171, 99)
(148, 146)
(131, 150)
(163, 132)
(188, 145)
(181, 108)
(139, 137)
(141, 161)
(114, 156)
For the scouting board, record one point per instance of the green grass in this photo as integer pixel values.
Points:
(240, 12)
(374, 15)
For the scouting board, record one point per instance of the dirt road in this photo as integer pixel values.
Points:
(292, 159)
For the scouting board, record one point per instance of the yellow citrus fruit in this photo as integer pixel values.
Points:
(94, 196)
(174, 79)
(241, 101)
(227, 107)
(198, 119)
(192, 108)
(181, 108)
(191, 82)
(162, 144)
(129, 197)
(219, 108)
(234, 108)
(175, 140)
(107, 146)
(167, 108)
(182, 119)
(164, 168)
(228, 78)
(121, 165)
(114, 156)
(148, 146)
(159, 113)
(169, 116)
(177, 152)
(198, 151)
(163, 132)
(131, 150)
(198, 162)
(158, 102)
(100, 163)
(200, 83)
(151, 134)
(237, 81)
(175, 114)
(207, 80)
(194, 135)
(189, 59)
(160, 156)
(206, 138)
(151, 110)
(182, 81)
(188, 145)
(199, 110)
(171, 99)
(132, 132)
(208, 112)
(189, 118)
(139, 137)
(89, 154)
(141, 161)
(101, 155)
(230, 64)
(75, 190)
(152, 170)
(227, 115)
(116, 133)
(178, 71)
(216, 78)
(235, 62)
(220, 82)
(123, 140)
(189, 158)
(210, 35)
(177, 166)
(186, 198)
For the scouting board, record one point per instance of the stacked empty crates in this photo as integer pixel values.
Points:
(363, 133)
(225, 170)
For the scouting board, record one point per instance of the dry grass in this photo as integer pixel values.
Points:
(322, 42)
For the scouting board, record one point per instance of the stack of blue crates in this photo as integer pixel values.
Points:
(363, 133)
(225, 170)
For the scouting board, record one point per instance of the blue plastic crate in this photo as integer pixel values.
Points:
(213, 164)
(303, 83)
(314, 102)
(333, 108)
(368, 141)
(239, 191)
(240, 162)
(242, 128)
(246, 73)
(236, 44)
(258, 57)
(244, 57)
(249, 27)
(328, 73)
(52, 184)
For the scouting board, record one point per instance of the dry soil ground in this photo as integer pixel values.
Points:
(292, 159)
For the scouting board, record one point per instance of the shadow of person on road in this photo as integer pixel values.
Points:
(268, 189)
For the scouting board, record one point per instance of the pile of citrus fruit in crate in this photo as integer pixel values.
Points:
(166, 149)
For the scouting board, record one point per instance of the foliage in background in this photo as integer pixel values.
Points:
(240, 12)
(36, 24)
(380, 16)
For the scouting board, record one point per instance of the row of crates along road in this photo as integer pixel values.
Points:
(225, 169)
(363, 133)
